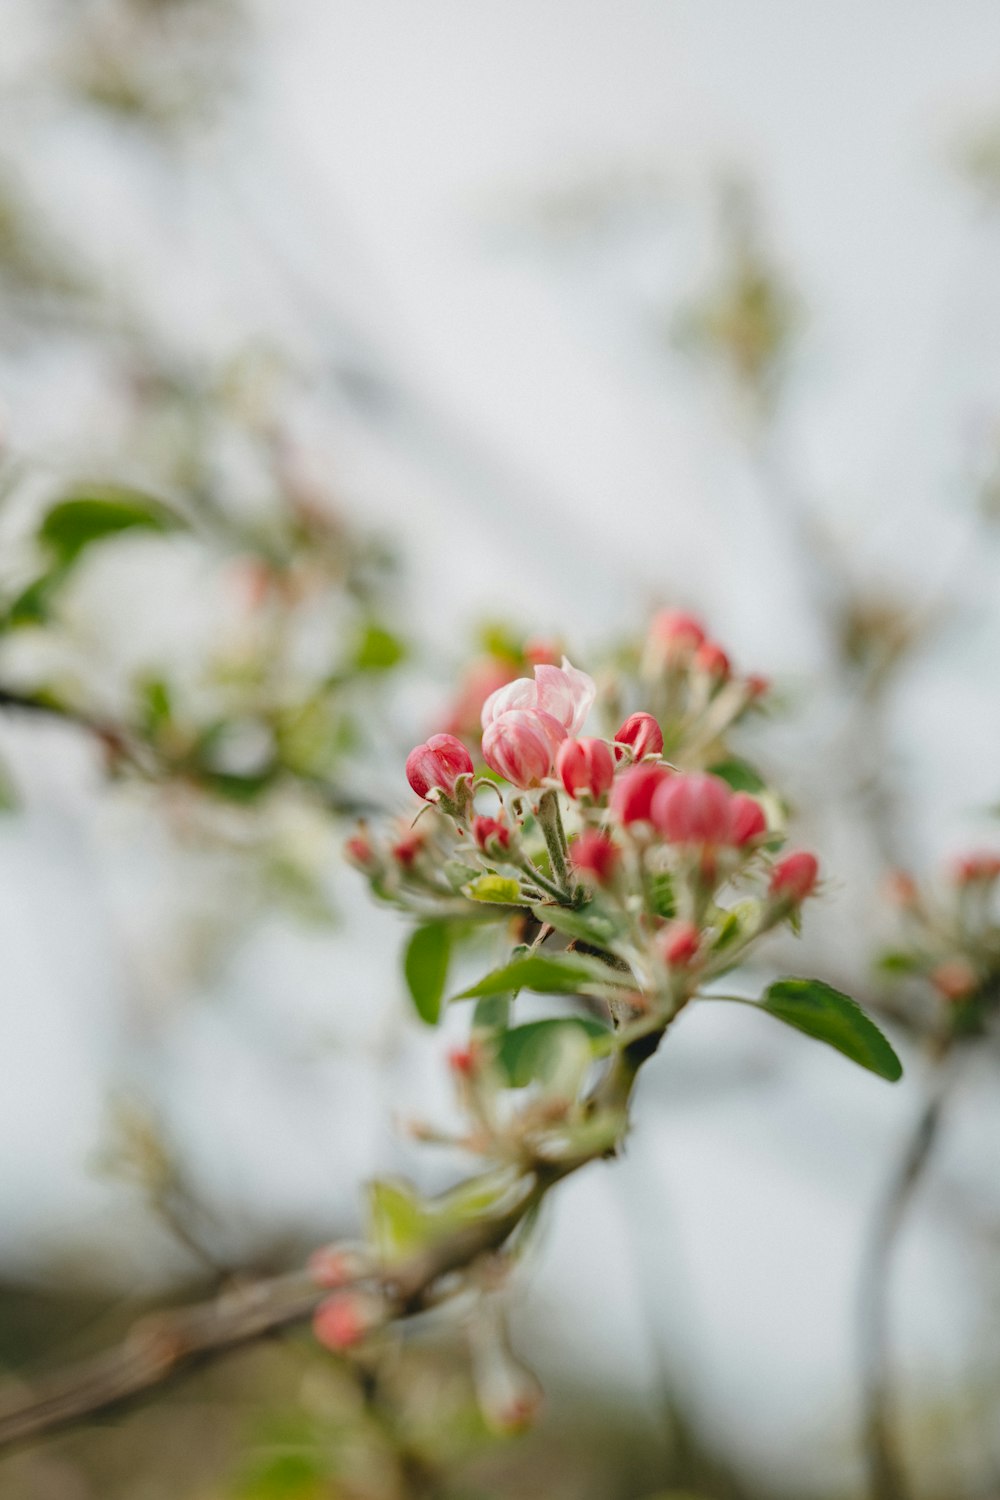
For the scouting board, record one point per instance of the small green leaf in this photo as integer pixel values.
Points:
(590, 922)
(824, 1013)
(398, 1222)
(661, 889)
(525, 1052)
(549, 976)
(502, 889)
(378, 650)
(492, 1013)
(76, 522)
(426, 968)
(900, 962)
(738, 774)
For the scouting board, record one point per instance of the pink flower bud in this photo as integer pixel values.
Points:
(712, 660)
(463, 1060)
(973, 868)
(585, 766)
(593, 854)
(902, 890)
(642, 733)
(520, 745)
(406, 849)
(359, 851)
(633, 791)
(437, 765)
(794, 877)
(756, 686)
(678, 944)
(541, 653)
(955, 979)
(344, 1320)
(693, 809)
(679, 633)
(334, 1266)
(746, 818)
(487, 831)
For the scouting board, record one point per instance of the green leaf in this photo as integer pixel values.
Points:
(426, 968)
(93, 516)
(824, 1013)
(738, 774)
(525, 1052)
(590, 922)
(378, 650)
(503, 889)
(33, 605)
(398, 1221)
(492, 1013)
(900, 962)
(661, 888)
(549, 976)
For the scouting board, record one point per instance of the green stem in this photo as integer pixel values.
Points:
(550, 821)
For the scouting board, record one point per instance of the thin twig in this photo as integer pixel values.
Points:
(886, 1475)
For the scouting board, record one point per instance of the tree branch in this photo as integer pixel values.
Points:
(886, 1477)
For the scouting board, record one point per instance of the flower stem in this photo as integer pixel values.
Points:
(550, 820)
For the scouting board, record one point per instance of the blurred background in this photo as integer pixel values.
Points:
(432, 317)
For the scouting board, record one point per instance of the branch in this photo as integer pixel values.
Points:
(162, 1347)
(886, 1477)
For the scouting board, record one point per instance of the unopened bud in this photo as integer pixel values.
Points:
(585, 767)
(794, 877)
(642, 734)
(693, 809)
(712, 660)
(344, 1320)
(678, 944)
(490, 832)
(955, 979)
(634, 789)
(437, 765)
(593, 854)
(746, 819)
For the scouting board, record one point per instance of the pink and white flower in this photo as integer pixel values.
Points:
(564, 693)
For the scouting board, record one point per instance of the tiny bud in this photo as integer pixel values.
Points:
(746, 818)
(334, 1266)
(794, 877)
(955, 979)
(757, 687)
(463, 1060)
(693, 809)
(678, 944)
(595, 855)
(437, 765)
(406, 849)
(487, 831)
(642, 733)
(976, 868)
(542, 653)
(585, 766)
(680, 634)
(520, 743)
(633, 791)
(902, 890)
(712, 660)
(344, 1320)
(360, 852)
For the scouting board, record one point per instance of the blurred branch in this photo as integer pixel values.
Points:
(887, 1480)
(165, 1346)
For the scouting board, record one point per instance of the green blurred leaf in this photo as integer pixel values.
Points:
(492, 1013)
(425, 965)
(378, 650)
(398, 1222)
(591, 922)
(93, 516)
(822, 1012)
(739, 774)
(661, 886)
(527, 1052)
(900, 962)
(503, 889)
(562, 975)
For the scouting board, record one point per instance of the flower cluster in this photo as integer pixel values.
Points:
(952, 940)
(621, 876)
